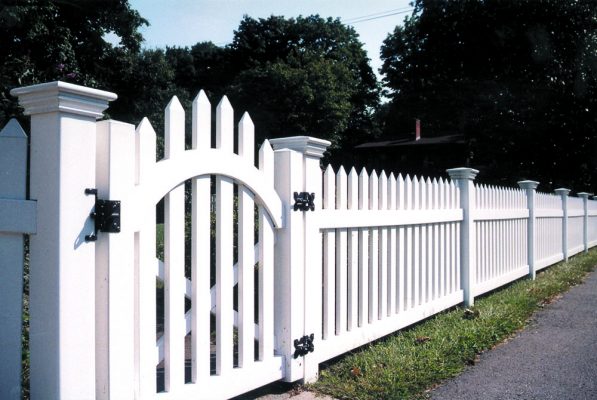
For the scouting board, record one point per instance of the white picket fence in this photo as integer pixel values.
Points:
(377, 252)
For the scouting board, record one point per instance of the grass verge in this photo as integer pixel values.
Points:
(406, 364)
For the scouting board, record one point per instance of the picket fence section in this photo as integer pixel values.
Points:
(270, 285)
(501, 236)
(390, 254)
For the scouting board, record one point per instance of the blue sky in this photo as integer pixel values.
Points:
(186, 22)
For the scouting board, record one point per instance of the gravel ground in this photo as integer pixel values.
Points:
(555, 357)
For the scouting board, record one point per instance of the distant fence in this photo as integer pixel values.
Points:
(289, 265)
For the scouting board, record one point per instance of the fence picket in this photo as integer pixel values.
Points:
(266, 262)
(400, 285)
(145, 243)
(13, 164)
(224, 241)
(353, 254)
(373, 250)
(363, 251)
(174, 283)
(392, 264)
(341, 256)
(246, 243)
(200, 247)
(382, 285)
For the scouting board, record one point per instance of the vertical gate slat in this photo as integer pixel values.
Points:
(341, 256)
(266, 254)
(174, 260)
(224, 244)
(13, 167)
(329, 242)
(200, 247)
(246, 254)
(145, 242)
(353, 254)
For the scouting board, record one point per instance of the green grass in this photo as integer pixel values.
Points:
(406, 364)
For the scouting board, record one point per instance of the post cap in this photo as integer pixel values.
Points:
(306, 145)
(65, 97)
(462, 173)
(528, 184)
(562, 191)
(584, 195)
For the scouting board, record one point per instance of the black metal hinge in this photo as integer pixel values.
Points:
(303, 201)
(303, 346)
(106, 216)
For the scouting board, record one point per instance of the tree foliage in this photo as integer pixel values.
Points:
(518, 78)
(48, 40)
(303, 76)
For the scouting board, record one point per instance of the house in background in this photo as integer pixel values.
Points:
(416, 154)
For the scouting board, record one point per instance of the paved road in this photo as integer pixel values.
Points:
(554, 358)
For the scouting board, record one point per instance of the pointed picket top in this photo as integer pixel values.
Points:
(383, 191)
(145, 149)
(329, 188)
(201, 121)
(373, 191)
(174, 128)
(341, 200)
(363, 190)
(422, 194)
(266, 161)
(225, 125)
(453, 190)
(408, 193)
(246, 139)
(353, 189)
(428, 193)
(400, 204)
(416, 194)
(435, 194)
(392, 192)
(13, 130)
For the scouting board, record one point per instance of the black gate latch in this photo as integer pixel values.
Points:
(106, 216)
(304, 201)
(303, 346)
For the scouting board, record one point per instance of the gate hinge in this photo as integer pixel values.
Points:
(303, 201)
(303, 346)
(106, 216)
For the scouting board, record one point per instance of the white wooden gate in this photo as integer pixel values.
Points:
(221, 361)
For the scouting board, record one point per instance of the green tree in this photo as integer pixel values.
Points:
(517, 78)
(307, 75)
(44, 40)
(303, 76)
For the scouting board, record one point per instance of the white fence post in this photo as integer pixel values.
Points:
(563, 193)
(298, 253)
(464, 178)
(17, 216)
(62, 273)
(585, 226)
(530, 187)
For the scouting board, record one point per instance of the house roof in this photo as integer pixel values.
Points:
(448, 139)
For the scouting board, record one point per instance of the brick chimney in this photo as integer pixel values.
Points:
(417, 129)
